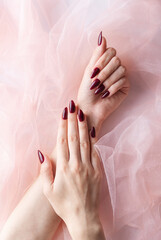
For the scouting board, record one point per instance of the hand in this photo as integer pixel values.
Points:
(74, 193)
(116, 85)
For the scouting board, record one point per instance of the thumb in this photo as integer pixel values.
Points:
(99, 51)
(46, 173)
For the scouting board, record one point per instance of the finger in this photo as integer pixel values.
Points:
(84, 138)
(108, 70)
(105, 58)
(62, 143)
(115, 76)
(98, 52)
(73, 134)
(121, 84)
(47, 176)
(101, 63)
(95, 161)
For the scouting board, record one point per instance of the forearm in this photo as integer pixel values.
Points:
(33, 218)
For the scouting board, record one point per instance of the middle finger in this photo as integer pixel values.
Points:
(73, 134)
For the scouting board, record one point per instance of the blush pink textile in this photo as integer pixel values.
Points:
(44, 48)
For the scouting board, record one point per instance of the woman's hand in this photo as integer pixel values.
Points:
(104, 85)
(74, 192)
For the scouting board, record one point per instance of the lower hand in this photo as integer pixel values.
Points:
(74, 191)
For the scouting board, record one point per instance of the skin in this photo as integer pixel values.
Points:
(34, 214)
(113, 76)
(77, 180)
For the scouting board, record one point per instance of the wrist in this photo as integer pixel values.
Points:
(85, 227)
(93, 122)
(92, 119)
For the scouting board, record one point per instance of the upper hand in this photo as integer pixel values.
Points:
(112, 75)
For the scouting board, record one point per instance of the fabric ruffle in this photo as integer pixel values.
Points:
(44, 48)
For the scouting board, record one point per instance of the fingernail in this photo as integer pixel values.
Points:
(99, 89)
(41, 156)
(95, 83)
(65, 113)
(105, 94)
(95, 72)
(72, 106)
(93, 132)
(100, 39)
(80, 115)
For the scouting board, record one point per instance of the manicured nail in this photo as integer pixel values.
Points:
(41, 156)
(105, 94)
(95, 72)
(100, 39)
(99, 89)
(93, 132)
(65, 113)
(95, 83)
(80, 115)
(72, 106)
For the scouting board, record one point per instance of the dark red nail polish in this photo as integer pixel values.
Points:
(95, 83)
(72, 106)
(65, 113)
(93, 132)
(99, 89)
(80, 115)
(95, 72)
(100, 39)
(41, 156)
(105, 94)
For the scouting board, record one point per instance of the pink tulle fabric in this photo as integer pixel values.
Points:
(44, 48)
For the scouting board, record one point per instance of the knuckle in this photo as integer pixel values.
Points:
(61, 140)
(113, 88)
(86, 172)
(83, 125)
(117, 60)
(126, 82)
(90, 171)
(95, 155)
(63, 168)
(97, 176)
(123, 81)
(84, 144)
(122, 69)
(76, 168)
(73, 138)
(103, 62)
(103, 75)
(72, 119)
(112, 51)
